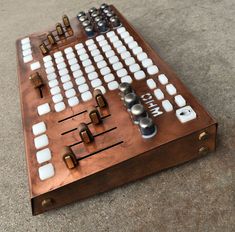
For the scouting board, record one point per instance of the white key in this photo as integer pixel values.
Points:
(125, 55)
(121, 30)
(109, 34)
(83, 88)
(109, 77)
(142, 56)
(98, 58)
(159, 94)
(104, 71)
(100, 38)
(95, 83)
(95, 52)
(109, 54)
(41, 141)
(137, 50)
(74, 67)
(73, 61)
(180, 101)
(25, 40)
(59, 59)
(81, 51)
(70, 93)
(147, 62)
(101, 64)
(35, 66)
(53, 83)
(73, 101)
(48, 64)
(102, 89)
(121, 49)
(129, 61)
(113, 85)
(43, 155)
(80, 80)
(26, 46)
(134, 68)
(59, 106)
(117, 44)
(103, 43)
(57, 98)
(113, 59)
(171, 89)
(92, 47)
(27, 52)
(47, 58)
(128, 39)
(117, 66)
(68, 85)
(167, 106)
(86, 63)
(92, 76)
(77, 74)
(43, 109)
(57, 54)
(113, 39)
(55, 90)
(46, 171)
(126, 79)
(152, 70)
(124, 34)
(28, 58)
(70, 56)
(139, 75)
(89, 42)
(39, 128)
(89, 69)
(65, 78)
(122, 72)
(86, 96)
(50, 70)
(61, 65)
(83, 57)
(79, 46)
(163, 79)
(68, 50)
(132, 44)
(51, 76)
(106, 48)
(186, 114)
(151, 84)
(63, 72)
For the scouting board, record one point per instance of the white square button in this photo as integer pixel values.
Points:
(39, 128)
(43, 155)
(43, 109)
(41, 141)
(46, 171)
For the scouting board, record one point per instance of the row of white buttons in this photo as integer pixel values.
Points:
(46, 171)
(138, 51)
(26, 50)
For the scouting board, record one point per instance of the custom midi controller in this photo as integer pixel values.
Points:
(100, 108)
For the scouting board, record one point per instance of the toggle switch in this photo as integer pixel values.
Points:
(100, 99)
(59, 29)
(85, 133)
(125, 88)
(130, 99)
(69, 158)
(43, 49)
(94, 115)
(66, 21)
(147, 128)
(51, 39)
(138, 112)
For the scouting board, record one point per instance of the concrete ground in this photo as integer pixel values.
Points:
(197, 38)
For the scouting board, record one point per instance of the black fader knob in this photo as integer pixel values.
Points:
(138, 112)
(130, 99)
(102, 25)
(115, 22)
(147, 128)
(89, 31)
(125, 88)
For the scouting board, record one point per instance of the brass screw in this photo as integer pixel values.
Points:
(47, 203)
(203, 151)
(203, 136)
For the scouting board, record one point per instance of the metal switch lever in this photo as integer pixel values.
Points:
(69, 158)
(100, 99)
(85, 133)
(94, 115)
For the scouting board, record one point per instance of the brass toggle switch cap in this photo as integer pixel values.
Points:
(51, 39)
(69, 158)
(36, 80)
(85, 133)
(59, 29)
(66, 21)
(100, 99)
(43, 49)
(94, 115)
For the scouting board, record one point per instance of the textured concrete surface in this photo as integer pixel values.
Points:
(197, 39)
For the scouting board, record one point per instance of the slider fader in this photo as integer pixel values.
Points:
(100, 108)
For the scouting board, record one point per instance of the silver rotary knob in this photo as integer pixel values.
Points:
(147, 128)
(130, 99)
(125, 88)
(138, 112)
